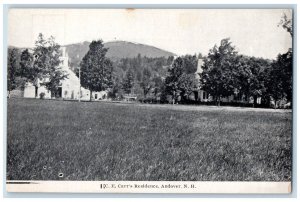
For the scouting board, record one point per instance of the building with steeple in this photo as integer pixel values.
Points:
(69, 88)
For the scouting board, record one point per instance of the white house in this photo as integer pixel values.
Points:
(69, 88)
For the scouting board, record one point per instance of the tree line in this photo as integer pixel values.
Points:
(225, 72)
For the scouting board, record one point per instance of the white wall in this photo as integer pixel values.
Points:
(29, 91)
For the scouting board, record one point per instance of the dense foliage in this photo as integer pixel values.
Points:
(42, 65)
(13, 69)
(142, 76)
(181, 80)
(96, 69)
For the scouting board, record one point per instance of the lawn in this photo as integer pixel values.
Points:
(63, 140)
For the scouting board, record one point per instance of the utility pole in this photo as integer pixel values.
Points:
(79, 86)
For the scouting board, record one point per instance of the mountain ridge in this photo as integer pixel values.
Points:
(116, 50)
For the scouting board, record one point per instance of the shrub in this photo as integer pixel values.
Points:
(42, 95)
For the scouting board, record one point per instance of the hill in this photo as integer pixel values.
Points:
(123, 49)
(116, 50)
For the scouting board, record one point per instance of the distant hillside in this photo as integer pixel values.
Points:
(123, 49)
(117, 50)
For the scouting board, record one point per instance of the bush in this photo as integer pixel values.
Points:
(42, 95)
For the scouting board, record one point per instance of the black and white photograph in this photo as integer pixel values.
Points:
(136, 100)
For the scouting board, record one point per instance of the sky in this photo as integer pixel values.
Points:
(254, 32)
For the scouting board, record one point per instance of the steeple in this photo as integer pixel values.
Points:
(199, 65)
(64, 57)
(199, 69)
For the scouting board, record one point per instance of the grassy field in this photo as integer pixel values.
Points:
(61, 140)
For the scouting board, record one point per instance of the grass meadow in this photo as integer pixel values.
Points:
(62, 140)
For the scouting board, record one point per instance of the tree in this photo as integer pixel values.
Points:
(217, 77)
(250, 76)
(280, 79)
(172, 80)
(287, 24)
(170, 60)
(190, 64)
(128, 81)
(181, 80)
(187, 85)
(116, 90)
(280, 83)
(38, 71)
(53, 73)
(27, 70)
(158, 87)
(146, 82)
(12, 70)
(42, 67)
(96, 69)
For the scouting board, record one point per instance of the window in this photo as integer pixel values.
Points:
(96, 96)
